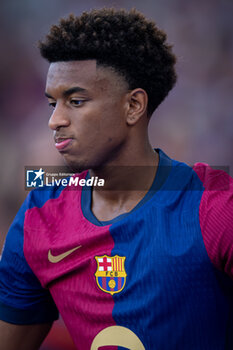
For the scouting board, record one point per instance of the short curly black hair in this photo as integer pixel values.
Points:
(125, 41)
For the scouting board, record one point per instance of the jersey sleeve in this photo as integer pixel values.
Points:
(216, 216)
(22, 298)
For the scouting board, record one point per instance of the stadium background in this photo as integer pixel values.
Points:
(194, 123)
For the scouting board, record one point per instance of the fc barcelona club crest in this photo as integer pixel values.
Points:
(110, 274)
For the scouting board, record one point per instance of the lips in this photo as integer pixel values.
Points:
(62, 143)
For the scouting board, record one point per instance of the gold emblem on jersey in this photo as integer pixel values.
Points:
(110, 274)
(57, 258)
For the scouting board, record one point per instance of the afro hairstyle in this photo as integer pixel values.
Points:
(126, 41)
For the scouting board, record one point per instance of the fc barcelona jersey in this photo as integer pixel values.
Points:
(156, 278)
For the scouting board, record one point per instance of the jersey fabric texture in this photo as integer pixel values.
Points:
(157, 278)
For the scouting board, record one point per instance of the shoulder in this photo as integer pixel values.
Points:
(217, 196)
(213, 179)
(216, 215)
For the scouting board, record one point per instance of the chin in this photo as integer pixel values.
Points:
(75, 165)
(79, 164)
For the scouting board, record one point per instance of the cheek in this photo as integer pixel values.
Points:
(100, 124)
(85, 125)
(113, 118)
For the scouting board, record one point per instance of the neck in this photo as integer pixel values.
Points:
(131, 176)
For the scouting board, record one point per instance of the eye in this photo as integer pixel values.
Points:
(77, 102)
(52, 104)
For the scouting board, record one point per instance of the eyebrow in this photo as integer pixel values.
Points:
(69, 92)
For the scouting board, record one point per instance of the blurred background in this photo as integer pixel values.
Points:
(193, 124)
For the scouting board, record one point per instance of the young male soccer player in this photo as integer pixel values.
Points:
(135, 269)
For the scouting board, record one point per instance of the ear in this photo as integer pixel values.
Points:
(137, 105)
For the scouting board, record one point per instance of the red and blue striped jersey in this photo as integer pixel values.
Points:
(156, 278)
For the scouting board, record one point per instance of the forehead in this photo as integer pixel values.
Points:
(85, 74)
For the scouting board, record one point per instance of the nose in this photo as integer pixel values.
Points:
(58, 118)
